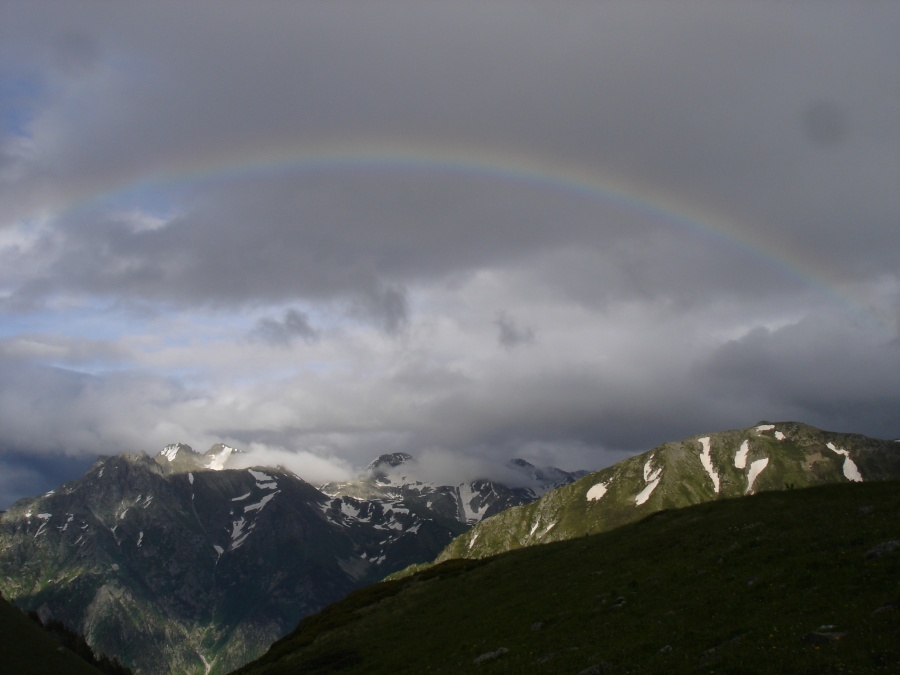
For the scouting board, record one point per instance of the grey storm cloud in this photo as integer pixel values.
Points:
(294, 325)
(510, 334)
(825, 373)
(291, 225)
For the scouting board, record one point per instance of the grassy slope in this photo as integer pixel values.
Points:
(727, 587)
(26, 649)
(801, 458)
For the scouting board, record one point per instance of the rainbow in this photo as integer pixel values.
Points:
(490, 163)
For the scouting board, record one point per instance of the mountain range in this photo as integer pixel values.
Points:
(195, 563)
(774, 548)
(706, 467)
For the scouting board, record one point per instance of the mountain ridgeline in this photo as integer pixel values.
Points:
(183, 563)
(701, 468)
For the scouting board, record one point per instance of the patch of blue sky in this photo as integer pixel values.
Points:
(36, 322)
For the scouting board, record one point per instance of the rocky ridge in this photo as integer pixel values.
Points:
(397, 476)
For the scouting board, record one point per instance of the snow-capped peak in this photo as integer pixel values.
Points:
(170, 452)
(217, 456)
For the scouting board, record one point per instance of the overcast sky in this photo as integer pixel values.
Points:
(321, 231)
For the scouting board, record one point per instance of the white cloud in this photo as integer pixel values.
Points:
(312, 468)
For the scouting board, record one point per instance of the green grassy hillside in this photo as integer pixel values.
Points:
(27, 649)
(791, 581)
(673, 475)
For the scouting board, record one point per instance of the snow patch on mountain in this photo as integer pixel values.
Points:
(651, 474)
(740, 459)
(764, 427)
(170, 452)
(594, 494)
(237, 534)
(851, 471)
(263, 480)
(350, 509)
(651, 477)
(546, 531)
(466, 496)
(706, 461)
(644, 494)
(261, 503)
(218, 459)
(46, 518)
(756, 468)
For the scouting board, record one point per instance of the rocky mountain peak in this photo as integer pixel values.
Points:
(141, 549)
(544, 478)
(218, 455)
(180, 458)
(170, 452)
(389, 460)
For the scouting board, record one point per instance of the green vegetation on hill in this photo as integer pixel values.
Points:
(789, 581)
(673, 476)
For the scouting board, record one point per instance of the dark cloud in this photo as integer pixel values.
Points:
(27, 475)
(293, 326)
(383, 304)
(510, 334)
(827, 374)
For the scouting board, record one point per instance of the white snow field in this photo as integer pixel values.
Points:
(740, 459)
(851, 471)
(755, 469)
(706, 461)
(652, 477)
(597, 491)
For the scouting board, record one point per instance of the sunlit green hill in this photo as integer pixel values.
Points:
(701, 468)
